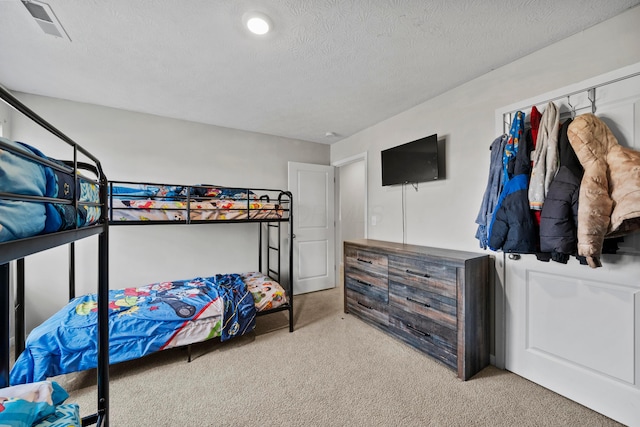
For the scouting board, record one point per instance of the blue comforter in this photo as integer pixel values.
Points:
(141, 321)
(19, 175)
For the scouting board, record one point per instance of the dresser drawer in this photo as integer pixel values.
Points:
(375, 263)
(423, 274)
(426, 335)
(369, 309)
(439, 308)
(370, 284)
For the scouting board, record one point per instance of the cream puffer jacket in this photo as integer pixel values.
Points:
(609, 201)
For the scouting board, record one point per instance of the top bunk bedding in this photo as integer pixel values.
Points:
(131, 202)
(41, 195)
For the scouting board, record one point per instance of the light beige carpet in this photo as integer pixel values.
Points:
(334, 370)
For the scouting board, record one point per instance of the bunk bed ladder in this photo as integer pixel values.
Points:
(274, 249)
(273, 245)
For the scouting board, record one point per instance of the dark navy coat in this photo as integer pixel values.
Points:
(559, 216)
(513, 228)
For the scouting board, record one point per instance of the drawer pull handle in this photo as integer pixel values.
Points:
(419, 302)
(418, 331)
(365, 306)
(365, 260)
(418, 274)
(363, 283)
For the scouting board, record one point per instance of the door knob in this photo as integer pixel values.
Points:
(514, 257)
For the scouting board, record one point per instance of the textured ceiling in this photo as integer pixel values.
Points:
(329, 66)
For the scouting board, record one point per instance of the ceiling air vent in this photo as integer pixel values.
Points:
(46, 19)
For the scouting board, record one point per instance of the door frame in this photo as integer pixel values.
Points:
(337, 164)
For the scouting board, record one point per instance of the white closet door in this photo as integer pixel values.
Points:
(573, 329)
(312, 187)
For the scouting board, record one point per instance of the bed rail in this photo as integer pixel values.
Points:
(137, 203)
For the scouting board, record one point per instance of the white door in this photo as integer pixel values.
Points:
(573, 329)
(312, 187)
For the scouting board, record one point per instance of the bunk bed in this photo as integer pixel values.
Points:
(46, 203)
(159, 316)
(138, 203)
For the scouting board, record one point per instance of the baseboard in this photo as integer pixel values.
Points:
(492, 359)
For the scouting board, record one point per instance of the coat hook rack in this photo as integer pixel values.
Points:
(591, 93)
(506, 122)
(573, 109)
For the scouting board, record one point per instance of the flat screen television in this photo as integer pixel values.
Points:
(413, 162)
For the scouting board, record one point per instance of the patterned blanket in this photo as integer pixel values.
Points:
(141, 321)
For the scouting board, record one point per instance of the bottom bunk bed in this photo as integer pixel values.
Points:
(147, 319)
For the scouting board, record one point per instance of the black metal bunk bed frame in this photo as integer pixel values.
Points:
(16, 250)
(285, 204)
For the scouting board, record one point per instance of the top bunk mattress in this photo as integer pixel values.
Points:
(145, 202)
(39, 194)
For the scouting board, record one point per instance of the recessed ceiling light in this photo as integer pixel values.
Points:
(258, 23)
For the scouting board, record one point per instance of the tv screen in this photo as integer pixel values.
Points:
(413, 162)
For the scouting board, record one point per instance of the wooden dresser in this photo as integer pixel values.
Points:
(433, 299)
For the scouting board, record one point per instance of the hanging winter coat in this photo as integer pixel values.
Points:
(545, 156)
(609, 201)
(492, 192)
(512, 228)
(534, 121)
(559, 217)
(511, 148)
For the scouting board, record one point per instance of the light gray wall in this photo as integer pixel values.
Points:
(443, 213)
(5, 122)
(135, 146)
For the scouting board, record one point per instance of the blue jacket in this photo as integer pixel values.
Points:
(512, 227)
(492, 192)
